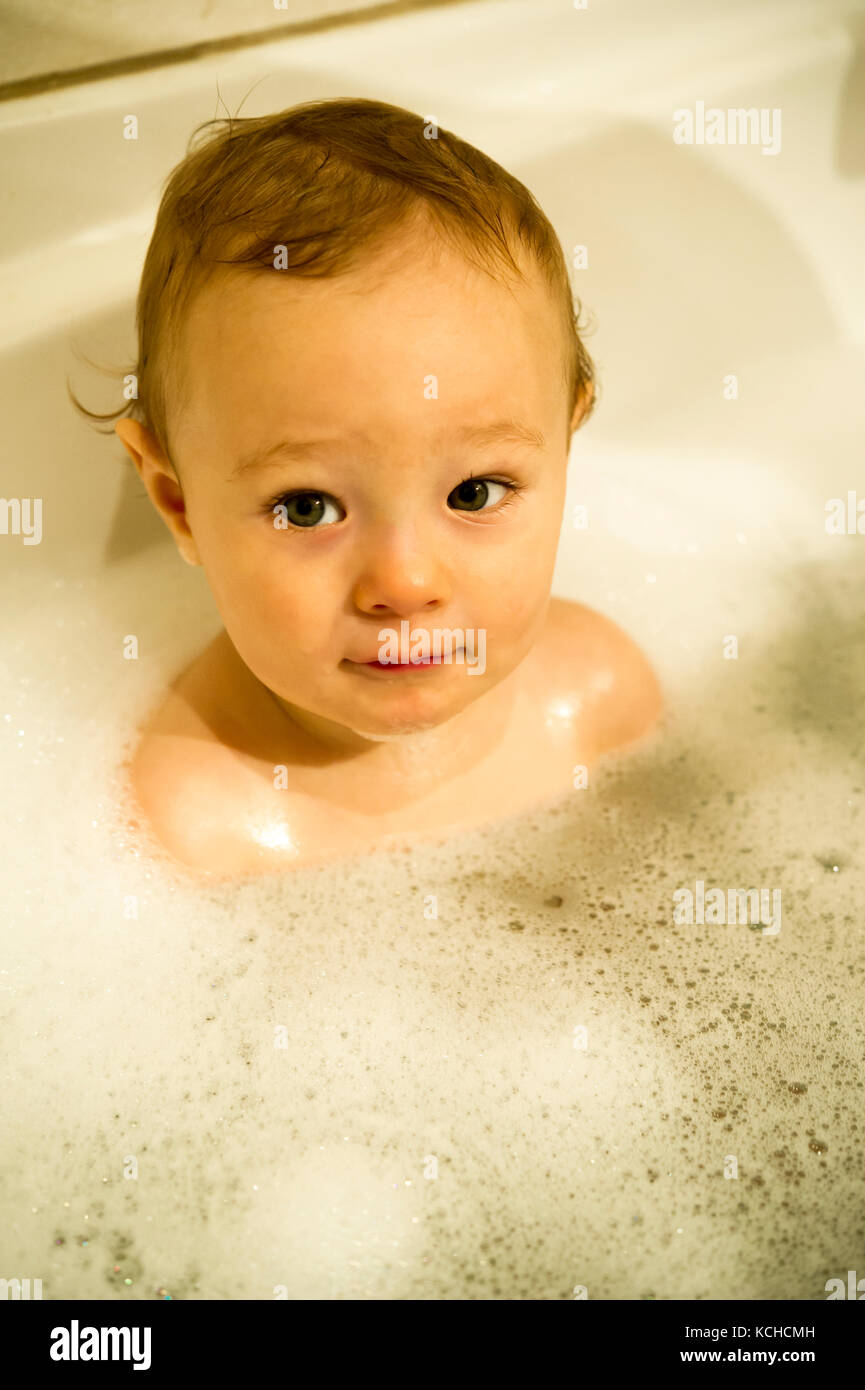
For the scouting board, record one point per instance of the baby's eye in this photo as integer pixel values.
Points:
(474, 493)
(306, 509)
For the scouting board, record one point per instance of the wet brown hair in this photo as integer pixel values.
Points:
(329, 181)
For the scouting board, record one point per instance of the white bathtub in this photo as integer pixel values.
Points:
(429, 1123)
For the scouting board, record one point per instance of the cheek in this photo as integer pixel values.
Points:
(517, 605)
(512, 611)
(280, 630)
(519, 577)
(289, 609)
(272, 603)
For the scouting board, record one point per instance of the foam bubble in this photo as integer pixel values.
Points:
(322, 1090)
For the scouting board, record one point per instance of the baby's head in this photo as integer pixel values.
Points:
(359, 371)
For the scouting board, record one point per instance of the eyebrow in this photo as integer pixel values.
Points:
(298, 450)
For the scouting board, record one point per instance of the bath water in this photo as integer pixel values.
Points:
(488, 1066)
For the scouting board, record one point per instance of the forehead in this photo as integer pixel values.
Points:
(412, 336)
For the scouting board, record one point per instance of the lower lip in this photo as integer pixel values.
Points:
(402, 665)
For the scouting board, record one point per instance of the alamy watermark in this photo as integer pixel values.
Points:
(20, 1289)
(854, 1289)
(736, 126)
(462, 646)
(845, 521)
(76, 1343)
(21, 516)
(717, 908)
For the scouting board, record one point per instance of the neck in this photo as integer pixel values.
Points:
(418, 757)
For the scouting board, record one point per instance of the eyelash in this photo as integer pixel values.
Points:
(514, 489)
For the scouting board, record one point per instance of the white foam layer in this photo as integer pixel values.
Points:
(416, 1046)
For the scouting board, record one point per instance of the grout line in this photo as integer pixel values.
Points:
(142, 62)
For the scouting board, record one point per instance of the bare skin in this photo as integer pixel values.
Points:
(203, 772)
(348, 456)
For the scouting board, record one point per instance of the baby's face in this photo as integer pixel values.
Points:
(357, 408)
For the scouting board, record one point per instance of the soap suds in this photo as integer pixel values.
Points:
(326, 1092)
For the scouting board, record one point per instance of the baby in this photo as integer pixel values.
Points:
(359, 373)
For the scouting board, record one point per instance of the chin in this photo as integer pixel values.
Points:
(385, 728)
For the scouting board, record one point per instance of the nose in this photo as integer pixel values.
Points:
(401, 573)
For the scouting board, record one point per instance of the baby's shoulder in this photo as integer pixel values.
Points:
(591, 664)
(204, 791)
(179, 776)
(187, 775)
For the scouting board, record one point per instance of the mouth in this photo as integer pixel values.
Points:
(401, 668)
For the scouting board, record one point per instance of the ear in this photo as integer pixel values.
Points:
(587, 395)
(159, 478)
